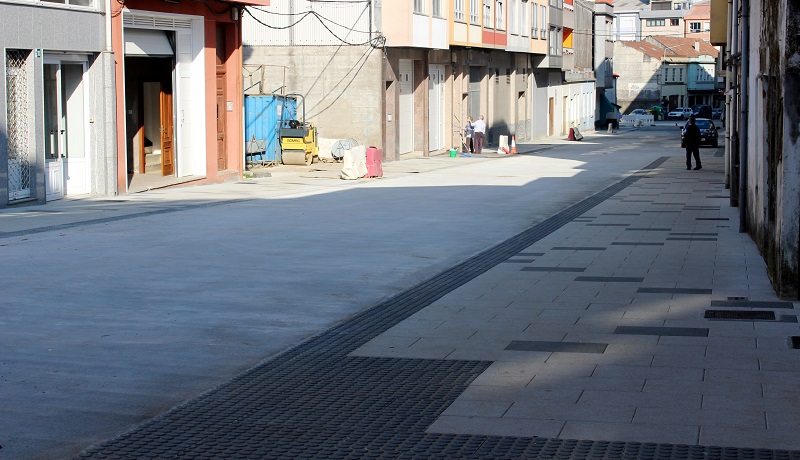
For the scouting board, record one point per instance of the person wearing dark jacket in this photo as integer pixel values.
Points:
(691, 138)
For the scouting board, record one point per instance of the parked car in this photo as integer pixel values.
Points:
(682, 113)
(708, 132)
(702, 111)
(716, 114)
(639, 112)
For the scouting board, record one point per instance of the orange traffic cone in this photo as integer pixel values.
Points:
(513, 145)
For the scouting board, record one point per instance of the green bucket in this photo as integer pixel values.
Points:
(453, 153)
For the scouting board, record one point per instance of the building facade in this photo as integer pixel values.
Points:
(408, 74)
(763, 148)
(56, 115)
(178, 93)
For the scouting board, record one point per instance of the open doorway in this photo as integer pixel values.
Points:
(150, 122)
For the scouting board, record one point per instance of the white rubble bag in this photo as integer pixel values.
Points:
(325, 148)
(355, 163)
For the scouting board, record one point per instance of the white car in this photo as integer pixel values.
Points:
(682, 113)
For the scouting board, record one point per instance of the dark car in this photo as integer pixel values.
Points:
(708, 132)
(702, 111)
(716, 114)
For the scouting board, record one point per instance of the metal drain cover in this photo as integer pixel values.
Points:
(740, 315)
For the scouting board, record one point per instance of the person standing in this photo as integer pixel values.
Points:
(480, 132)
(691, 139)
(469, 132)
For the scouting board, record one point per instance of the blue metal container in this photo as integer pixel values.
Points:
(262, 115)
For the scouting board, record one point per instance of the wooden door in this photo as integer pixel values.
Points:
(222, 157)
(167, 135)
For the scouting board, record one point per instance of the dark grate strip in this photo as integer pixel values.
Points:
(519, 261)
(694, 234)
(563, 347)
(633, 243)
(645, 229)
(650, 290)
(577, 248)
(529, 254)
(664, 331)
(711, 218)
(610, 279)
(751, 304)
(554, 269)
(740, 315)
(607, 225)
(689, 238)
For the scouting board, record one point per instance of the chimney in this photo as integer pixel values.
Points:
(697, 46)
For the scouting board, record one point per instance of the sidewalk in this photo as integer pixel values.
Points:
(637, 323)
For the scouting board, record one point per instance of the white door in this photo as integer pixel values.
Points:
(66, 128)
(406, 119)
(436, 107)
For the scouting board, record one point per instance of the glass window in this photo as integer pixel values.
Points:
(656, 23)
(512, 17)
(474, 8)
(71, 2)
(534, 21)
(543, 28)
(458, 10)
(523, 20)
(674, 22)
(694, 27)
(419, 6)
(436, 8)
(499, 14)
(487, 13)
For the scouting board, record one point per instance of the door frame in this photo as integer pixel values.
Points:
(83, 166)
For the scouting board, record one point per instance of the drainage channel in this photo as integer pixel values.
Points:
(315, 401)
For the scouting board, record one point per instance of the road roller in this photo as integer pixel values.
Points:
(298, 137)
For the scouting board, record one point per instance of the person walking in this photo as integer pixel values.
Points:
(469, 132)
(691, 139)
(480, 132)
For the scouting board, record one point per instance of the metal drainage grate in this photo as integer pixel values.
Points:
(794, 342)
(738, 297)
(740, 315)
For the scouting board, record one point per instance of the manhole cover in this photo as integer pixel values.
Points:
(741, 315)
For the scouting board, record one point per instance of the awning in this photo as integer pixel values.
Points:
(146, 42)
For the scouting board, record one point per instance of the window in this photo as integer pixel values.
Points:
(674, 22)
(499, 15)
(695, 27)
(458, 10)
(523, 20)
(487, 13)
(645, 57)
(656, 23)
(534, 21)
(557, 3)
(555, 42)
(474, 8)
(680, 74)
(436, 8)
(543, 28)
(70, 2)
(419, 6)
(673, 74)
(512, 17)
(666, 75)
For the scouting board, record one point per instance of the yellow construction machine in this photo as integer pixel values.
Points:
(298, 137)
